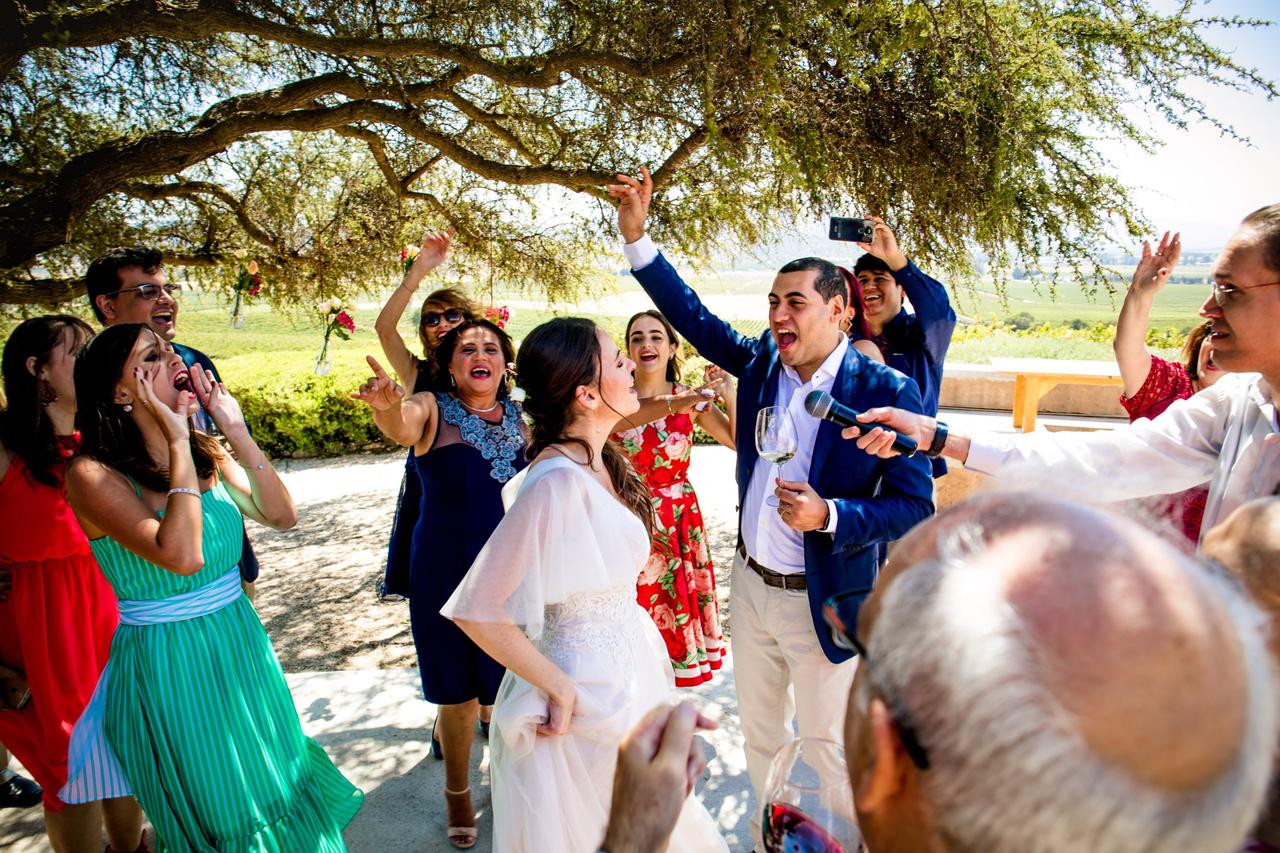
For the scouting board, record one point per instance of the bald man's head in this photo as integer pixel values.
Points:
(1055, 661)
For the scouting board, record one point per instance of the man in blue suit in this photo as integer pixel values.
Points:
(834, 509)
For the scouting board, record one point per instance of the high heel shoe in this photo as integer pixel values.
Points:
(462, 837)
(437, 751)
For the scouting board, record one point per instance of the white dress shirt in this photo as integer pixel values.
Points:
(767, 538)
(1225, 436)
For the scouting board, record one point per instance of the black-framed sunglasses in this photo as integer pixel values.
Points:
(431, 319)
(150, 291)
(840, 612)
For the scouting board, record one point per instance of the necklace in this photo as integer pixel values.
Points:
(481, 411)
(499, 443)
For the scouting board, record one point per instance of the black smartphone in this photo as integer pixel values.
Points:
(851, 230)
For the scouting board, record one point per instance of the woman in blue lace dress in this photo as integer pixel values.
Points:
(467, 441)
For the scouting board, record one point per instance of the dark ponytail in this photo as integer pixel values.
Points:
(554, 361)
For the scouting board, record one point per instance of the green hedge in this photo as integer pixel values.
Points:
(293, 412)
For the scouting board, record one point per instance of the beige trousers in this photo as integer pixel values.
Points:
(781, 674)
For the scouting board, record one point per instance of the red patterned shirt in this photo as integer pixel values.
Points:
(1168, 382)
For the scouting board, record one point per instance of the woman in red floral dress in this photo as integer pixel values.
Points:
(677, 585)
(1152, 384)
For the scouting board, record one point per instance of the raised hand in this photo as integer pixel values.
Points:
(175, 422)
(380, 392)
(713, 373)
(633, 203)
(434, 250)
(1154, 267)
(694, 398)
(215, 400)
(884, 245)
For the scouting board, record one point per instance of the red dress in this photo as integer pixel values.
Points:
(56, 625)
(678, 584)
(1167, 382)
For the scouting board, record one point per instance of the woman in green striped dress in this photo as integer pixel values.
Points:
(192, 714)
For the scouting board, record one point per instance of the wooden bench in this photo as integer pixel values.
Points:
(1035, 377)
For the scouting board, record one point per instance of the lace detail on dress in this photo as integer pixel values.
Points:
(498, 443)
(601, 621)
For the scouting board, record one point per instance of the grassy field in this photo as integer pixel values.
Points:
(293, 337)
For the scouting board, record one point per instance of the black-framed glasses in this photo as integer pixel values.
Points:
(840, 612)
(150, 291)
(1223, 293)
(431, 319)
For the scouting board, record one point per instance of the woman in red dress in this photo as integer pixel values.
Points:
(1152, 384)
(677, 585)
(59, 614)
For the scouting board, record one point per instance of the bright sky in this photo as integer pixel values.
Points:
(1200, 182)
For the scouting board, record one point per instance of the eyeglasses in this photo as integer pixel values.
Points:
(149, 292)
(431, 319)
(841, 612)
(1222, 294)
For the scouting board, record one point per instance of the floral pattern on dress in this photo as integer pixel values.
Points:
(677, 585)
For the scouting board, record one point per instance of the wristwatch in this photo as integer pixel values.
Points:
(939, 441)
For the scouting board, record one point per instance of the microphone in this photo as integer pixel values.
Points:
(822, 405)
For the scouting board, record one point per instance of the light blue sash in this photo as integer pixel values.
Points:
(94, 772)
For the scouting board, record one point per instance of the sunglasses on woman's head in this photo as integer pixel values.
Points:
(431, 319)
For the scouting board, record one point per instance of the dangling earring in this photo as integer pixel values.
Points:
(453, 383)
(128, 407)
(48, 396)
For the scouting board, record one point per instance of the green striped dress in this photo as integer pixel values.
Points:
(200, 717)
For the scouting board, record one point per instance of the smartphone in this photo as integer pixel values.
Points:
(851, 230)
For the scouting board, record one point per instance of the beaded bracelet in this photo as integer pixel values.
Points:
(183, 491)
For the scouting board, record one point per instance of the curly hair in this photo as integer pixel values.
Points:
(445, 297)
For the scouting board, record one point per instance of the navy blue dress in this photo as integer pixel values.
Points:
(395, 579)
(461, 505)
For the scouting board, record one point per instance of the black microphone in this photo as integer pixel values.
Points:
(822, 405)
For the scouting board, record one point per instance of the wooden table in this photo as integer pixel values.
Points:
(1035, 377)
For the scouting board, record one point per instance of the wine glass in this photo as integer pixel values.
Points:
(776, 441)
(808, 800)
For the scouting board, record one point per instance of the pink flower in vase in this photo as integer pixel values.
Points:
(345, 321)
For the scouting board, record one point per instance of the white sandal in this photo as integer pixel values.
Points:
(457, 834)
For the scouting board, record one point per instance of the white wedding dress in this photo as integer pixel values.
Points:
(563, 565)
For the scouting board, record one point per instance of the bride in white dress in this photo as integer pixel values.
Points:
(553, 598)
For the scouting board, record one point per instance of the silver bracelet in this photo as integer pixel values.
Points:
(183, 491)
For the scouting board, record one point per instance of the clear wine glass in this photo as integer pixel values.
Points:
(808, 800)
(776, 441)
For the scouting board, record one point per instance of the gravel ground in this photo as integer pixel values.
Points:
(317, 592)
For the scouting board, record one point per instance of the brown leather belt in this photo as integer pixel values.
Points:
(771, 578)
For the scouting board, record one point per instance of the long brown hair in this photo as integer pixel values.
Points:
(1191, 349)
(107, 433)
(25, 428)
(445, 297)
(554, 361)
(676, 362)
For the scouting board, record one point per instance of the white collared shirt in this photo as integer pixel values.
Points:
(1225, 436)
(767, 539)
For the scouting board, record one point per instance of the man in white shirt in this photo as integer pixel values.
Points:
(833, 509)
(1226, 436)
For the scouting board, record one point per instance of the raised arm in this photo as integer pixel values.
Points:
(927, 295)
(107, 505)
(1149, 278)
(721, 425)
(404, 421)
(434, 250)
(250, 478)
(661, 405)
(714, 338)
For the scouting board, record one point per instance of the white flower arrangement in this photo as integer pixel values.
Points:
(517, 394)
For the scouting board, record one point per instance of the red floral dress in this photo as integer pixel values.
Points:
(677, 585)
(1168, 382)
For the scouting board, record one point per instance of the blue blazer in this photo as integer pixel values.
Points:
(877, 500)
